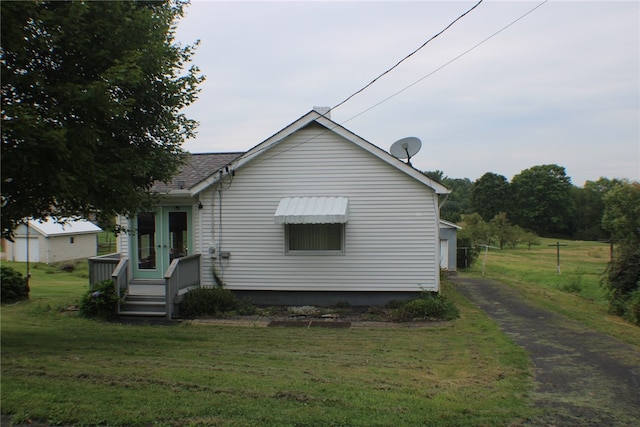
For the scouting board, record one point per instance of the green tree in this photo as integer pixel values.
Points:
(542, 200)
(490, 195)
(524, 236)
(92, 94)
(622, 219)
(455, 204)
(477, 229)
(501, 230)
(590, 199)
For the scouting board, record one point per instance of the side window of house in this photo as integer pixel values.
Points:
(308, 238)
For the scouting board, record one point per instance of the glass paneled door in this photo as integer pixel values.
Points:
(160, 237)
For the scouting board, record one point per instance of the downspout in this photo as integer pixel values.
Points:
(221, 187)
(214, 248)
(201, 237)
(437, 207)
(200, 233)
(219, 249)
(443, 202)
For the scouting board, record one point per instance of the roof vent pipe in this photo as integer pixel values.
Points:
(325, 111)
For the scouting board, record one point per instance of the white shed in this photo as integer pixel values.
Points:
(314, 214)
(448, 245)
(49, 241)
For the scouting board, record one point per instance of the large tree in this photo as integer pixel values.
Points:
(455, 204)
(542, 200)
(490, 195)
(92, 94)
(590, 200)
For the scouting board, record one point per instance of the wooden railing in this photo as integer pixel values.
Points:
(113, 267)
(182, 275)
(102, 267)
(120, 278)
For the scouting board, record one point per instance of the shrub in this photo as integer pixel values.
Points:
(395, 303)
(69, 267)
(629, 307)
(430, 305)
(100, 302)
(14, 286)
(573, 286)
(467, 252)
(215, 302)
(622, 280)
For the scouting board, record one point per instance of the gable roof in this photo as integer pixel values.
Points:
(197, 167)
(331, 126)
(49, 227)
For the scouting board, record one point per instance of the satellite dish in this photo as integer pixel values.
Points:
(406, 148)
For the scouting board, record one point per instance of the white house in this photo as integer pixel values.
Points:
(49, 241)
(315, 214)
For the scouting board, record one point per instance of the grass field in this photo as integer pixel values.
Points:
(62, 369)
(66, 370)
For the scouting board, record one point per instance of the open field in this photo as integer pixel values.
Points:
(62, 369)
(576, 292)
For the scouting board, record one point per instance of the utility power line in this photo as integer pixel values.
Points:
(445, 64)
(406, 57)
(422, 78)
(388, 71)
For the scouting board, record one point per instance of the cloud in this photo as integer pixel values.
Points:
(559, 86)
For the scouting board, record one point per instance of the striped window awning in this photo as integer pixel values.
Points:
(312, 210)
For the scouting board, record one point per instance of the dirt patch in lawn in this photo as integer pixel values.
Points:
(582, 378)
(344, 322)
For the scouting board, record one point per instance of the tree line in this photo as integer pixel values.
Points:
(541, 201)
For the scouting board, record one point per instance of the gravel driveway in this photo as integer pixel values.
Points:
(582, 377)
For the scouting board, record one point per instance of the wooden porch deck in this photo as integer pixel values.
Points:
(147, 297)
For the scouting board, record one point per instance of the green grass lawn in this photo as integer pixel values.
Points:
(576, 292)
(63, 369)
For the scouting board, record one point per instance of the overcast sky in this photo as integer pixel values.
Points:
(560, 86)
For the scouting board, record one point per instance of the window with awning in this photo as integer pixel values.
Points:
(312, 210)
(313, 224)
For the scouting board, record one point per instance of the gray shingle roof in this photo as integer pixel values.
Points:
(198, 167)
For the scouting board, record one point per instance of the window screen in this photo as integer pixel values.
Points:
(315, 237)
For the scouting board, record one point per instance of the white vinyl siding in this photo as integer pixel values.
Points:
(122, 239)
(390, 241)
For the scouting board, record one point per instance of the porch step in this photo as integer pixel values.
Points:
(141, 306)
(147, 282)
(129, 313)
(150, 289)
(145, 299)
